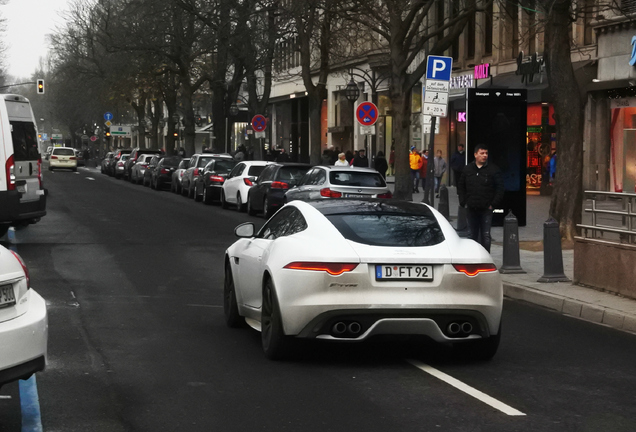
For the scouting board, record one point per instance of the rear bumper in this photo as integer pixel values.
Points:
(24, 342)
(55, 163)
(12, 210)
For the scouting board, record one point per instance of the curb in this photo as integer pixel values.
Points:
(567, 306)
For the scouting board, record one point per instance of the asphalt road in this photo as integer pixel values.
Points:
(133, 280)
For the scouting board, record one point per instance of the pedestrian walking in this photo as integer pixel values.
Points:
(326, 158)
(440, 169)
(380, 164)
(360, 160)
(349, 156)
(424, 169)
(282, 156)
(342, 160)
(415, 163)
(458, 162)
(480, 190)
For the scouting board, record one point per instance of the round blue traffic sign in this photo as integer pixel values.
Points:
(259, 123)
(367, 113)
(108, 116)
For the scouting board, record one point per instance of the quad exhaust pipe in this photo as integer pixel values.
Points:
(459, 328)
(343, 329)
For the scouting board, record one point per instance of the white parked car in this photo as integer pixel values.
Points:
(138, 169)
(23, 321)
(239, 181)
(347, 270)
(63, 157)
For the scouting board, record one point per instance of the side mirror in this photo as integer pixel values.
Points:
(245, 230)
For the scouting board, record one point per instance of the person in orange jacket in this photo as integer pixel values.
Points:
(415, 163)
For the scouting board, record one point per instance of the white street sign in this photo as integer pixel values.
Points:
(259, 134)
(436, 110)
(436, 97)
(427, 128)
(438, 86)
(367, 130)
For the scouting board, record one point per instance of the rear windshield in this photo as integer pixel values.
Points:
(171, 161)
(146, 158)
(389, 229)
(64, 152)
(25, 143)
(203, 161)
(292, 175)
(353, 178)
(125, 156)
(255, 170)
(224, 166)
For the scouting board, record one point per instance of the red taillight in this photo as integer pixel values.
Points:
(217, 179)
(386, 195)
(165, 171)
(73, 158)
(326, 192)
(54, 157)
(248, 182)
(279, 185)
(121, 164)
(196, 171)
(10, 171)
(24, 267)
(474, 269)
(333, 269)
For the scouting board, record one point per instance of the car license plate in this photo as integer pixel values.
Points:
(355, 196)
(386, 272)
(7, 298)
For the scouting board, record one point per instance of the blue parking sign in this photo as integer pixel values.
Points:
(439, 68)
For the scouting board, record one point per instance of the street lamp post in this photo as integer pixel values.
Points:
(352, 93)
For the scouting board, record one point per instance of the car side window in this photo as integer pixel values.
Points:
(286, 222)
(306, 178)
(237, 170)
(321, 177)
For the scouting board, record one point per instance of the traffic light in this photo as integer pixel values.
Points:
(106, 132)
(40, 86)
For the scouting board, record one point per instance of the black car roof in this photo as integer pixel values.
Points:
(343, 206)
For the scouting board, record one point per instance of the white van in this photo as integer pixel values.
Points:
(22, 197)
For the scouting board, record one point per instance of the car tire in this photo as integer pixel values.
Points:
(223, 202)
(250, 209)
(190, 192)
(230, 307)
(152, 185)
(184, 191)
(207, 199)
(479, 350)
(158, 184)
(239, 203)
(75, 169)
(276, 345)
(267, 212)
(197, 197)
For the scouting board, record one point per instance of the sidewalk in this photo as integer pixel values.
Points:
(563, 297)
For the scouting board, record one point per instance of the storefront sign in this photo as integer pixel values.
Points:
(623, 103)
(632, 61)
(462, 81)
(461, 116)
(482, 71)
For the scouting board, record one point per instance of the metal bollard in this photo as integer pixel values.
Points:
(462, 222)
(443, 206)
(511, 261)
(552, 255)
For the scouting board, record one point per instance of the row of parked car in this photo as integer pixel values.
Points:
(252, 186)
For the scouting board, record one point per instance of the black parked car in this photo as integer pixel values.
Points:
(108, 159)
(268, 194)
(152, 167)
(161, 176)
(209, 185)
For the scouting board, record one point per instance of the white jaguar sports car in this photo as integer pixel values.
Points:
(347, 270)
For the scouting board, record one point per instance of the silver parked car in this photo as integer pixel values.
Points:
(339, 182)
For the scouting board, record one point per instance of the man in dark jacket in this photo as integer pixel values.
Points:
(361, 160)
(480, 190)
(458, 162)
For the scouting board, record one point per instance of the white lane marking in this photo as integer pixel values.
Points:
(506, 409)
(90, 178)
(5, 397)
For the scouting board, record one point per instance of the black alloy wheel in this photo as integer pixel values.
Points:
(239, 203)
(276, 345)
(207, 199)
(223, 201)
(250, 208)
(230, 306)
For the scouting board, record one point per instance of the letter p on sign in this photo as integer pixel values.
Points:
(439, 68)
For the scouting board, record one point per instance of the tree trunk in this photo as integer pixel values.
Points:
(401, 108)
(188, 116)
(315, 130)
(567, 198)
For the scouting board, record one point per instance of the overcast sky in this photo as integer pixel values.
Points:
(27, 23)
